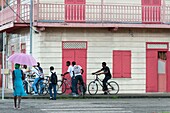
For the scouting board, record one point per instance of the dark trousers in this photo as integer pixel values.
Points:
(52, 86)
(26, 86)
(73, 84)
(80, 79)
(104, 83)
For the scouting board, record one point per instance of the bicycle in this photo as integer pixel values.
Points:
(65, 84)
(113, 87)
(30, 81)
(45, 85)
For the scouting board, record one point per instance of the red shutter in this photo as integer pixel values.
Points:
(146, 2)
(168, 71)
(126, 64)
(156, 2)
(116, 64)
(151, 71)
(23, 48)
(75, 12)
(151, 14)
(121, 64)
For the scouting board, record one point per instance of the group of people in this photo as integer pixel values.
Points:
(19, 76)
(75, 71)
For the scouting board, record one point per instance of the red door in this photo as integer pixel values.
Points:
(80, 58)
(151, 11)
(75, 10)
(151, 71)
(74, 51)
(168, 71)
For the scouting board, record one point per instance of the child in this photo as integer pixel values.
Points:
(52, 83)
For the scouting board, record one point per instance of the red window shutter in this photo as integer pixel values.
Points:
(69, 1)
(126, 64)
(121, 64)
(146, 2)
(156, 2)
(116, 64)
(23, 48)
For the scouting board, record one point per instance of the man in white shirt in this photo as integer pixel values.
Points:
(78, 72)
(70, 71)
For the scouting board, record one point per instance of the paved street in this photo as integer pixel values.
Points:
(143, 105)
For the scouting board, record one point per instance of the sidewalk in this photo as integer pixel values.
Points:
(9, 95)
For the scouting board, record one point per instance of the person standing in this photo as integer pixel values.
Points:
(52, 83)
(78, 72)
(107, 73)
(17, 77)
(70, 71)
(25, 71)
(35, 72)
(40, 81)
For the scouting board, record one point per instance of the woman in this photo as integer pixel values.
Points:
(17, 77)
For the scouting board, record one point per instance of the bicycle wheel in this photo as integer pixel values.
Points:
(61, 87)
(113, 87)
(44, 90)
(92, 88)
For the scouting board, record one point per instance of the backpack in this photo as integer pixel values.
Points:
(76, 69)
(54, 78)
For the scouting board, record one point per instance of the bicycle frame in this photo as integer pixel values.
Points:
(67, 82)
(99, 80)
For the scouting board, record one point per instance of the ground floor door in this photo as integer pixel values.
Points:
(157, 75)
(74, 51)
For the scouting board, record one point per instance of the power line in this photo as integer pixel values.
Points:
(18, 16)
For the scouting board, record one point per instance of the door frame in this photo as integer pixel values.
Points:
(73, 48)
(156, 46)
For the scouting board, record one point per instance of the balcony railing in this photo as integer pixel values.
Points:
(58, 13)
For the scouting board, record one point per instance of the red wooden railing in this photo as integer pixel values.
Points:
(46, 12)
(15, 13)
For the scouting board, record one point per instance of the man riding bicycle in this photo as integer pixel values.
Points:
(107, 73)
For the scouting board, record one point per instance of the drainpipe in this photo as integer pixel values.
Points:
(31, 24)
(3, 66)
(3, 76)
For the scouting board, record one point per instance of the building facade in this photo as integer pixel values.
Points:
(132, 37)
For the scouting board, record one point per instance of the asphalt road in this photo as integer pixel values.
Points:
(143, 105)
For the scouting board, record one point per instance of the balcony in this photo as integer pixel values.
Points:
(74, 15)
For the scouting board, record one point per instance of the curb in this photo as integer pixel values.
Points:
(10, 96)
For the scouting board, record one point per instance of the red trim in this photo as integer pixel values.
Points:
(168, 72)
(158, 49)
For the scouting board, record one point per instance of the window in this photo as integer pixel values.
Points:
(121, 64)
(23, 48)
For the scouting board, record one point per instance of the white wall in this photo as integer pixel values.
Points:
(47, 48)
(101, 43)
